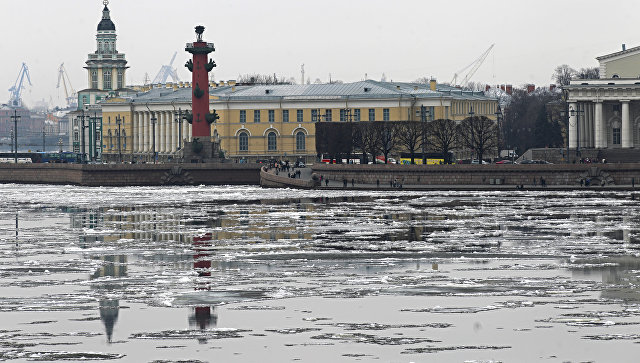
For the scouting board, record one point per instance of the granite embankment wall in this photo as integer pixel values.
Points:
(131, 174)
(514, 174)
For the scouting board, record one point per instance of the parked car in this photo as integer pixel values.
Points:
(504, 162)
(476, 161)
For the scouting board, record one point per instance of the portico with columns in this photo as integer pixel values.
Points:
(605, 113)
(150, 127)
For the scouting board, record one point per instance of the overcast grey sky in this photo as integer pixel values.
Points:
(404, 39)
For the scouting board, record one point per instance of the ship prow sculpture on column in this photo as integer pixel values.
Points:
(201, 149)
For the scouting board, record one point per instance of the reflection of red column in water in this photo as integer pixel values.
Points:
(201, 260)
(202, 264)
(200, 68)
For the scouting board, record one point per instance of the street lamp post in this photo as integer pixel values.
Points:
(118, 133)
(423, 121)
(179, 120)
(153, 132)
(347, 114)
(15, 118)
(499, 118)
(93, 132)
(82, 141)
(565, 115)
(577, 113)
(471, 113)
(44, 142)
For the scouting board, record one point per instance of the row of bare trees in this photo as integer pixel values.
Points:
(341, 140)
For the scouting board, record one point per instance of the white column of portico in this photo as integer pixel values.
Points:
(627, 131)
(167, 136)
(582, 123)
(185, 132)
(143, 131)
(174, 135)
(599, 126)
(589, 118)
(134, 141)
(140, 131)
(156, 132)
(161, 131)
(573, 126)
(168, 128)
(149, 131)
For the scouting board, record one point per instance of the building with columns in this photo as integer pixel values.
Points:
(605, 113)
(259, 122)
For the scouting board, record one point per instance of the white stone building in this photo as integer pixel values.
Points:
(605, 113)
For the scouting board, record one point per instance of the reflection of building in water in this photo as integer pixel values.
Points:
(165, 225)
(607, 227)
(86, 218)
(203, 316)
(620, 277)
(112, 266)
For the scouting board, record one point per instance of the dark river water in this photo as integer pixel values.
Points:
(243, 274)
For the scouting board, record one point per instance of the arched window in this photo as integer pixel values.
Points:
(271, 141)
(243, 141)
(124, 139)
(300, 141)
(110, 140)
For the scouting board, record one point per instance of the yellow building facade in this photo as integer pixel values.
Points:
(261, 122)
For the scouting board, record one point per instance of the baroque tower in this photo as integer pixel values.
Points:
(106, 67)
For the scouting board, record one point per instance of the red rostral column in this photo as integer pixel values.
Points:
(200, 67)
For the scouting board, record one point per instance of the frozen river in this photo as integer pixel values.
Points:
(243, 274)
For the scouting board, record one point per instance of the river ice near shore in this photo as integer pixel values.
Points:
(244, 274)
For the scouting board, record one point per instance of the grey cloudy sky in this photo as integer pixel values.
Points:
(404, 39)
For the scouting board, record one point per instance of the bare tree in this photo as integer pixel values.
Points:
(479, 133)
(443, 134)
(563, 74)
(476, 86)
(588, 73)
(263, 79)
(409, 135)
(387, 133)
(367, 140)
(334, 139)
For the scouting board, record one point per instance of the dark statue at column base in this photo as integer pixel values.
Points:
(201, 151)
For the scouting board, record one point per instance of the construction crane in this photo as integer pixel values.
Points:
(15, 100)
(167, 71)
(474, 67)
(71, 98)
